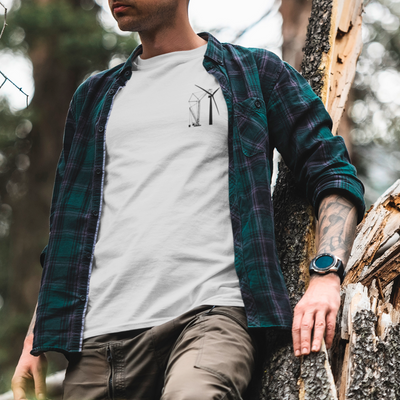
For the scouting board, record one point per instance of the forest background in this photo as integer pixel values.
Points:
(65, 41)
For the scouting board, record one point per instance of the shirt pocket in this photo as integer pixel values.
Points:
(251, 122)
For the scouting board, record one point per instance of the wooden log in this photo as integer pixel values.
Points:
(371, 369)
(376, 249)
(330, 55)
(370, 321)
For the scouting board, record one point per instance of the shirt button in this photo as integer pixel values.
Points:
(257, 103)
(82, 298)
(101, 128)
(112, 91)
(127, 73)
(98, 171)
(88, 256)
(95, 213)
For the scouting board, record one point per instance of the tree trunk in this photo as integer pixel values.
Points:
(295, 14)
(332, 47)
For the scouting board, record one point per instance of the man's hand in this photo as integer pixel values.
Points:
(30, 374)
(316, 314)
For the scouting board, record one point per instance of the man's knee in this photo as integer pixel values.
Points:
(198, 385)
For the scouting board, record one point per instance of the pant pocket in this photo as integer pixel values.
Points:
(226, 350)
(86, 376)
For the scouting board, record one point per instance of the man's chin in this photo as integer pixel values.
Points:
(126, 24)
(126, 27)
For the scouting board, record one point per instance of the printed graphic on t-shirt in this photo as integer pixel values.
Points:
(195, 102)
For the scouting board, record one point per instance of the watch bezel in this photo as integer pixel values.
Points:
(332, 266)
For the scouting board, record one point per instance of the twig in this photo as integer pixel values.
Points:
(5, 19)
(5, 77)
(19, 88)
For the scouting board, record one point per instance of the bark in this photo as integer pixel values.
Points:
(370, 320)
(330, 54)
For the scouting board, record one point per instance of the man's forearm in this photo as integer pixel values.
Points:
(315, 314)
(336, 226)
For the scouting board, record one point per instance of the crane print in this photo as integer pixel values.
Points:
(194, 106)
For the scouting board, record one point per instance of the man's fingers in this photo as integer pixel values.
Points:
(40, 387)
(307, 324)
(319, 331)
(19, 389)
(39, 376)
(330, 329)
(296, 328)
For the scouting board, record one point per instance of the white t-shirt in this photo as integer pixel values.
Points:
(165, 242)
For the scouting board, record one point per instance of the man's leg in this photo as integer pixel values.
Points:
(212, 356)
(114, 366)
(125, 365)
(212, 359)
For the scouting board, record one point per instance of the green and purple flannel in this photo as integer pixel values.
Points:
(270, 105)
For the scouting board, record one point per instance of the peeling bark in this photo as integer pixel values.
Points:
(376, 249)
(328, 64)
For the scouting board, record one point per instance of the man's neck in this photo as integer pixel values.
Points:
(170, 39)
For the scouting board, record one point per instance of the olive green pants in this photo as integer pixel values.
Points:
(204, 354)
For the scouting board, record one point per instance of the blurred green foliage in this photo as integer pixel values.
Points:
(71, 30)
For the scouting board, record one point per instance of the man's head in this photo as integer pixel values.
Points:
(147, 15)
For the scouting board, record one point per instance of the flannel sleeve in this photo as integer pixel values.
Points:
(300, 129)
(68, 134)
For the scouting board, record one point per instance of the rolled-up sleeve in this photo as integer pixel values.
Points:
(300, 128)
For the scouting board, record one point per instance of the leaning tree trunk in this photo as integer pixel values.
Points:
(332, 47)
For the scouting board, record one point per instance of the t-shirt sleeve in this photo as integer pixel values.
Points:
(300, 129)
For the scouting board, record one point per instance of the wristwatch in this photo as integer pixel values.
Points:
(326, 263)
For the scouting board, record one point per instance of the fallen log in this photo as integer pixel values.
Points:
(370, 319)
(376, 249)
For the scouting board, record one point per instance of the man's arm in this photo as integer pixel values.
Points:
(30, 373)
(316, 311)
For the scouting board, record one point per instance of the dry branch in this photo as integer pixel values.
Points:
(5, 19)
(4, 76)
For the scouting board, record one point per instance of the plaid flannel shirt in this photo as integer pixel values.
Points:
(270, 105)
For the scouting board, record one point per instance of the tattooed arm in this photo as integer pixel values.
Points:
(336, 227)
(30, 373)
(315, 314)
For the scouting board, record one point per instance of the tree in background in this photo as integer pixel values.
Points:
(65, 43)
(375, 112)
(295, 15)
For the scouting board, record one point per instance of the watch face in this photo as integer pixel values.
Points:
(324, 262)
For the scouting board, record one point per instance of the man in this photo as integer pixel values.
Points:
(161, 260)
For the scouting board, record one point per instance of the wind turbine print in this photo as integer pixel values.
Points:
(211, 97)
(194, 108)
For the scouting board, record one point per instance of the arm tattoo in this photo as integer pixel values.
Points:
(336, 226)
(32, 324)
